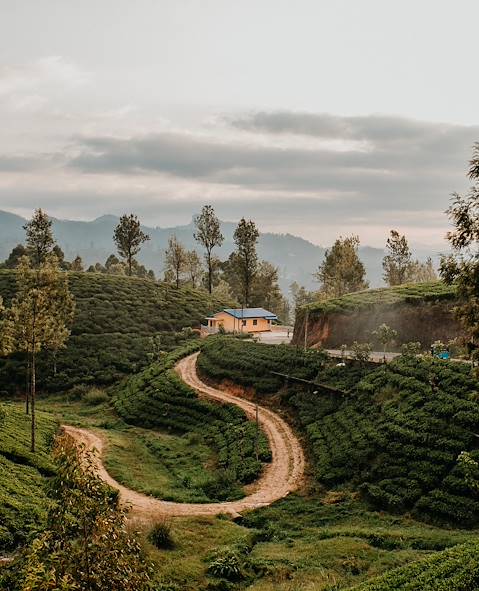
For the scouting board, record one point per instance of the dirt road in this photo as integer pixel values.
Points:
(280, 477)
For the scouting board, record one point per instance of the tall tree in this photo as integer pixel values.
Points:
(39, 316)
(422, 272)
(193, 268)
(397, 263)
(14, 257)
(129, 237)
(246, 237)
(175, 259)
(462, 266)
(208, 234)
(40, 241)
(342, 271)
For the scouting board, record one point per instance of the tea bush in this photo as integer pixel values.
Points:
(157, 398)
(114, 321)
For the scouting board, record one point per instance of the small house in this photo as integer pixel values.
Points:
(240, 320)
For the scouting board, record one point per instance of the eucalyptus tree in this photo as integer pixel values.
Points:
(208, 234)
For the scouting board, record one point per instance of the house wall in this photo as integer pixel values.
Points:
(232, 324)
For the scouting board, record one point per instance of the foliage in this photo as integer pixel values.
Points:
(225, 563)
(397, 262)
(455, 569)
(385, 335)
(160, 534)
(251, 364)
(342, 271)
(246, 259)
(175, 260)
(397, 437)
(39, 237)
(158, 398)
(38, 318)
(129, 237)
(193, 268)
(22, 475)
(462, 267)
(208, 234)
(115, 318)
(361, 351)
(85, 544)
(95, 396)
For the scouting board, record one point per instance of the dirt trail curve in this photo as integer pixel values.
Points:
(280, 477)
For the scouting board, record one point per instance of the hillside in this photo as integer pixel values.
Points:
(295, 257)
(420, 312)
(22, 474)
(396, 435)
(157, 398)
(114, 320)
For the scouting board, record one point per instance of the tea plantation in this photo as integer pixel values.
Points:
(22, 474)
(157, 398)
(115, 318)
(250, 364)
(395, 436)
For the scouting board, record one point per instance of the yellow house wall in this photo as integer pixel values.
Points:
(232, 324)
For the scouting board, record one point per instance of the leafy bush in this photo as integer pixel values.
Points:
(226, 564)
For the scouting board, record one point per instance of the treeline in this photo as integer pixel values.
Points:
(242, 278)
(342, 271)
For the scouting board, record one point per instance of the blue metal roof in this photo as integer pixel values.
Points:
(250, 313)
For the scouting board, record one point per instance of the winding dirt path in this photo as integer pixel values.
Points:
(279, 478)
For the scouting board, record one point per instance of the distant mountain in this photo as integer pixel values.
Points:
(296, 258)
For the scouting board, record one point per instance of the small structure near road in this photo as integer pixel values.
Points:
(237, 320)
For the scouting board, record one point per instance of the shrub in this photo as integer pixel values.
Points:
(226, 564)
(161, 535)
(95, 396)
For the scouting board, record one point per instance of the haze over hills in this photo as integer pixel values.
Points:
(296, 258)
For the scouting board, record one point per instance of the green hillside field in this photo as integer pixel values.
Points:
(395, 436)
(115, 318)
(22, 474)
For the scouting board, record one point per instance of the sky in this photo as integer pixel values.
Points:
(318, 118)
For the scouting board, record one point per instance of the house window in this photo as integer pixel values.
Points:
(243, 322)
(255, 322)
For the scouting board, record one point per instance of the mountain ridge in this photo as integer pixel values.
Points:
(296, 258)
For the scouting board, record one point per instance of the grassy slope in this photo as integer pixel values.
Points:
(387, 296)
(115, 317)
(22, 474)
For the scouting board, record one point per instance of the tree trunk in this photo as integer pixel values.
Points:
(27, 386)
(210, 273)
(33, 393)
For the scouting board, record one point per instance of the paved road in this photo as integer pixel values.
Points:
(282, 476)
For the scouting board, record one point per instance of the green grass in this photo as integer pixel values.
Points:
(22, 474)
(388, 296)
(114, 321)
(169, 467)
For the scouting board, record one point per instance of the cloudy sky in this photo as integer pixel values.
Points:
(313, 117)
